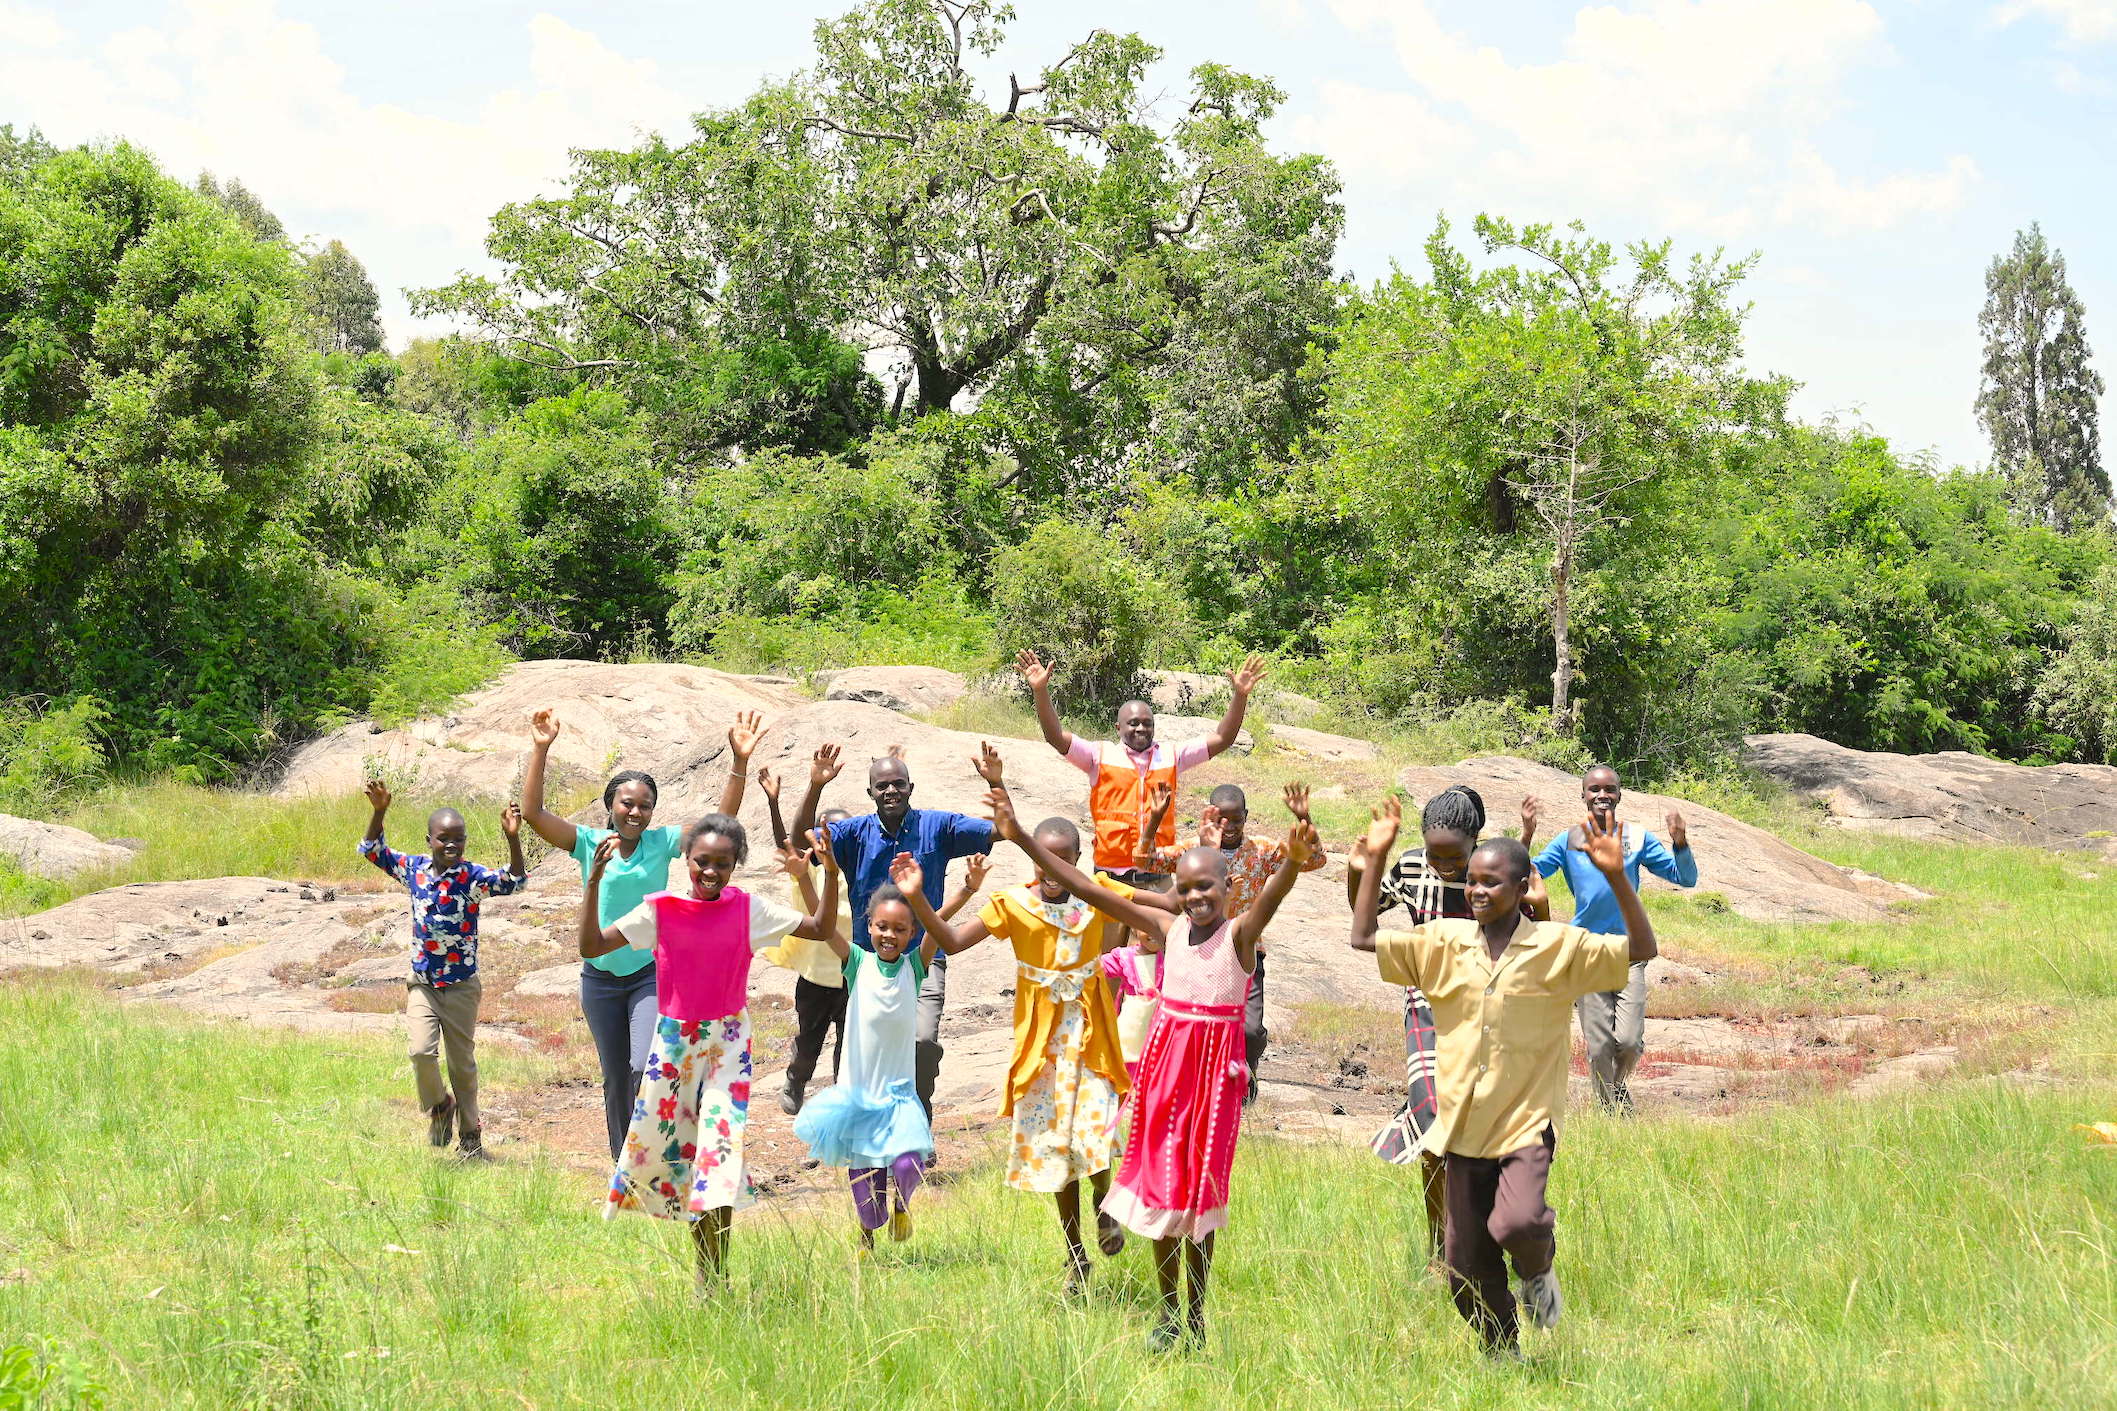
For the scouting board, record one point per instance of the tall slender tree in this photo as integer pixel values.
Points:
(2037, 398)
(344, 313)
(257, 218)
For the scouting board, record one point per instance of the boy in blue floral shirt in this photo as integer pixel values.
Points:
(441, 1000)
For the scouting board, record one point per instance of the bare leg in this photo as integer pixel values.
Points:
(1109, 1235)
(709, 1239)
(1199, 1256)
(1168, 1269)
(1069, 1213)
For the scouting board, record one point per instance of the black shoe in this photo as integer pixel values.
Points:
(441, 1122)
(791, 1097)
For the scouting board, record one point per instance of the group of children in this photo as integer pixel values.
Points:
(1137, 1000)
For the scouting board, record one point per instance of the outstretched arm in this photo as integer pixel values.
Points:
(1243, 681)
(823, 768)
(1140, 918)
(743, 736)
(821, 924)
(1381, 835)
(1604, 841)
(1301, 845)
(511, 825)
(768, 782)
(543, 729)
(910, 878)
(1038, 675)
(975, 869)
(1672, 861)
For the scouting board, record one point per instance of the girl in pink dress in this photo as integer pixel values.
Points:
(682, 1157)
(1187, 1106)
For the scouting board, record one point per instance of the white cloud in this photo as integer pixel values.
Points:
(2068, 78)
(1286, 14)
(2081, 21)
(1698, 113)
(235, 87)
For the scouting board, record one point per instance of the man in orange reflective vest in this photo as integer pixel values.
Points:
(1122, 773)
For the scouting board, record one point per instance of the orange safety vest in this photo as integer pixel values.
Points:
(1120, 800)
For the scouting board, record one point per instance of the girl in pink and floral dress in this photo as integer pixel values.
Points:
(1187, 1108)
(683, 1154)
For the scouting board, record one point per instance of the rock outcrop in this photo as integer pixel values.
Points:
(1759, 875)
(1951, 797)
(54, 850)
(899, 688)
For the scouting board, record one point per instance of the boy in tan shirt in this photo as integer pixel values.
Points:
(1502, 991)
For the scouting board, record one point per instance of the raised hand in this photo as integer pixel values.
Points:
(1297, 801)
(1382, 832)
(819, 841)
(1245, 678)
(1302, 842)
(1679, 836)
(1004, 822)
(1160, 797)
(544, 727)
(792, 857)
(378, 795)
(511, 820)
(824, 765)
(975, 869)
(1033, 669)
(1356, 860)
(991, 768)
(1209, 828)
(744, 734)
(905, 871)
(1532, 814)
(604, 851)
(894, 752)
(768, 781)
(1603, 840)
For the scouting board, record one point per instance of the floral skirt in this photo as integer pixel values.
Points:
(1065, 1121)
(683, 1151)
(1186, 1114)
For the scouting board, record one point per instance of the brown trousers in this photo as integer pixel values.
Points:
(447, 1016)
(1496, 1211)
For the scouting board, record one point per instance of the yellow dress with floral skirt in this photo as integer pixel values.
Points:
(1067, 1074)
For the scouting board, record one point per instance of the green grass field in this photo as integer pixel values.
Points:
(195, 1214)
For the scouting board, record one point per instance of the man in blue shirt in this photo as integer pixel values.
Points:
(864, 847)
(1613, 1025)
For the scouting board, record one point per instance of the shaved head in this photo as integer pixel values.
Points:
(442, 818)
(1209, 860)
(1509, 854)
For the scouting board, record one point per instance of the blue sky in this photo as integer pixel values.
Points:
(1878, 155)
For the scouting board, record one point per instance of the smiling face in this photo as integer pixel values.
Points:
(1447, 852)
(1065, 844)
(889, 785)
(445, 838)
(1202, 889)
(1494, 883)
(1234, 820)
(1135, 725)
(632, 809)
(711, 860)
(890, 927)
(1600, 791)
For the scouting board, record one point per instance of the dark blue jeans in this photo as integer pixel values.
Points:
(620, 1010)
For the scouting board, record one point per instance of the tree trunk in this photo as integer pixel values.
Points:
(1567, 536)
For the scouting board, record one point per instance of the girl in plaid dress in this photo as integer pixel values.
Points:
(1427, 882)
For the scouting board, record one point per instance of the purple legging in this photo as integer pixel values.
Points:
(870, 1203)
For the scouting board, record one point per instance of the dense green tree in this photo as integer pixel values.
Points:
(2037, 397)
(19, 154)
(1527, 436)
(1104, 289)
(243, 203)
(345, 316)
(2077, 694)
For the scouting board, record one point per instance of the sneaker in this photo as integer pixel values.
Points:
(441, 1122)
(900, 1224)
(791, 1097)
(1621, 1100)
(1164, 1336)
(1540, 1299)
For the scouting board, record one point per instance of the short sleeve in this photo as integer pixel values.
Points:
(1192, 753)
(384, 856)
(994, 917)
(770, 921)
(1598, 963)
(1400, 956)
(843, 833)
(584, 843)
(639, 926)
(1081, 755)
(1553, 856)
(967, 836)
(1123, 889)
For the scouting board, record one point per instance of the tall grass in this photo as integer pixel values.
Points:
(205, 1216)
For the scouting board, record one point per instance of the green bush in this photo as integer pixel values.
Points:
(2077, 693)
(48, 753)
(1072, 594)
(932, 626)
(431, 653)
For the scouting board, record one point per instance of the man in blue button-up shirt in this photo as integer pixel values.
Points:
(1614, 1025)
(865, 846)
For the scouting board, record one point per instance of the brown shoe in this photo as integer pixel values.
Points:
(472, 1147)
(441, 1122)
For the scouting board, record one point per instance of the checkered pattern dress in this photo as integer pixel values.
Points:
(1426, 896)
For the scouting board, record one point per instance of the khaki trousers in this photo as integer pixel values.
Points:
(447, 1016)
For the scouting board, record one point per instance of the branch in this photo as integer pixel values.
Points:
(873, 136)
(675, 276)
